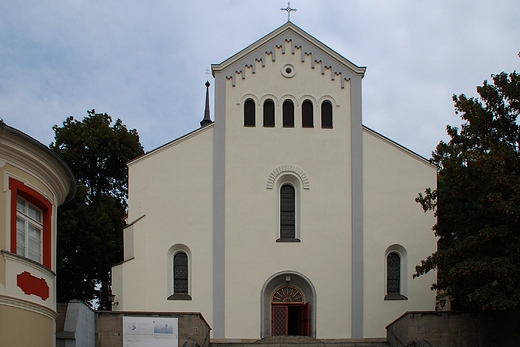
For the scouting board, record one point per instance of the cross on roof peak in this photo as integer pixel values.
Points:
(289, 10)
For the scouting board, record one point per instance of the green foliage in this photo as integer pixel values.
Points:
(477, 201)
(90, 226)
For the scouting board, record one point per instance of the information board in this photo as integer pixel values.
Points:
(150, 332)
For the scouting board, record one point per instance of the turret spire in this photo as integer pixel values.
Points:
(207, 119)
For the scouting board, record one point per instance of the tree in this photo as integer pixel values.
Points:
(477, 201)
(90, 226)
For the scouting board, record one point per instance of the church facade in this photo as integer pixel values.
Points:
(284, 216)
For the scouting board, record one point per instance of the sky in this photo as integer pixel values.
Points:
(145, 62)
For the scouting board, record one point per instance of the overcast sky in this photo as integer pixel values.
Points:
(145, 61)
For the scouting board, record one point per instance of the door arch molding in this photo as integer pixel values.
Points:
(275, 282)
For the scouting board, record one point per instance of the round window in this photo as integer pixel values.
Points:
(288, 70)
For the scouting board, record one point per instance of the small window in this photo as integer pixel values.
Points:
(288, 114)
(249, 113)
(180, 273)
(326, 115)
(269, 114)
(29, 229)
(307, 114)
(287, 212)
(393, 273)
(31, 225)
(393, 277)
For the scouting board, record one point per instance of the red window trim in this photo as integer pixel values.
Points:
(20, 189)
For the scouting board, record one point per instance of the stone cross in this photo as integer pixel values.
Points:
(289, 10)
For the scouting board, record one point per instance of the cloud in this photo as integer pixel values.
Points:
(145, 62)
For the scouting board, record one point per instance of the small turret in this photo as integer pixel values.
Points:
(207, 119)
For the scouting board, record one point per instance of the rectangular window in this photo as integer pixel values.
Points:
(31, 223)
(29, 229)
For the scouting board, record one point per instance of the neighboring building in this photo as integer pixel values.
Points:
(34, 182)
(286, 216)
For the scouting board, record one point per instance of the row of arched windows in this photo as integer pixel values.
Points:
(307, 114)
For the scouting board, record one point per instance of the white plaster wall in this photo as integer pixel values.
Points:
(172, 188)
(252, 253)
(10, 265)
(393, 178)
(14, 266)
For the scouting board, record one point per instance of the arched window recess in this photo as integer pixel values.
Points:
(249, 113)
(179, 273)
(395, 279)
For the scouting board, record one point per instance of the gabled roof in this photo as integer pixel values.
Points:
(309, 45)
(399, 146)
(171, 143)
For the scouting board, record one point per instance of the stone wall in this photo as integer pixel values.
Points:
(75, 325)
(456, 329)
(193, 329)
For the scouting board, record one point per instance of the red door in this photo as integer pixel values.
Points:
(280, 320)
(306, 320)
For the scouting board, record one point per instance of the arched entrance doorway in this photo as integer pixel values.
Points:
(288, 306)
(289, 313)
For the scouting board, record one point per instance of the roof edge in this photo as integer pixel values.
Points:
(61, 163)
(399, 146)
(171, 143)
(358, 70)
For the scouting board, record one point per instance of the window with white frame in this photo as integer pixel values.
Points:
(29, 229)
(288, 186)
(287, 212)
(396, 263)
(326, 115)
(288, 114)
(179, 272)
(249, 113)
(307, 114)
(269, 114)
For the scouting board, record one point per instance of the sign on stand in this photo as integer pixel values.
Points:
(150, 332)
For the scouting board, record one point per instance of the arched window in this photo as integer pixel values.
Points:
(393, 273)
(288, 114)
(180, 273)
(249, 113)
(396, 264)
(287, 212)
(269, 114)
(326, 115)
(307, 114)
(394, 282)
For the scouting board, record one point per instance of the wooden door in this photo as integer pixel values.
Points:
(280, 320)
(306, 320)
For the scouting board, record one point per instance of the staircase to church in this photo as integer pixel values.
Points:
(304, 341)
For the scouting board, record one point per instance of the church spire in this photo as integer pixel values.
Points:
(207, 119)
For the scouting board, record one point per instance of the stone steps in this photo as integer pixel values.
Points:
(301, 341)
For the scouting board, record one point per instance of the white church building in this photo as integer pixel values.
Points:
(285, 215)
